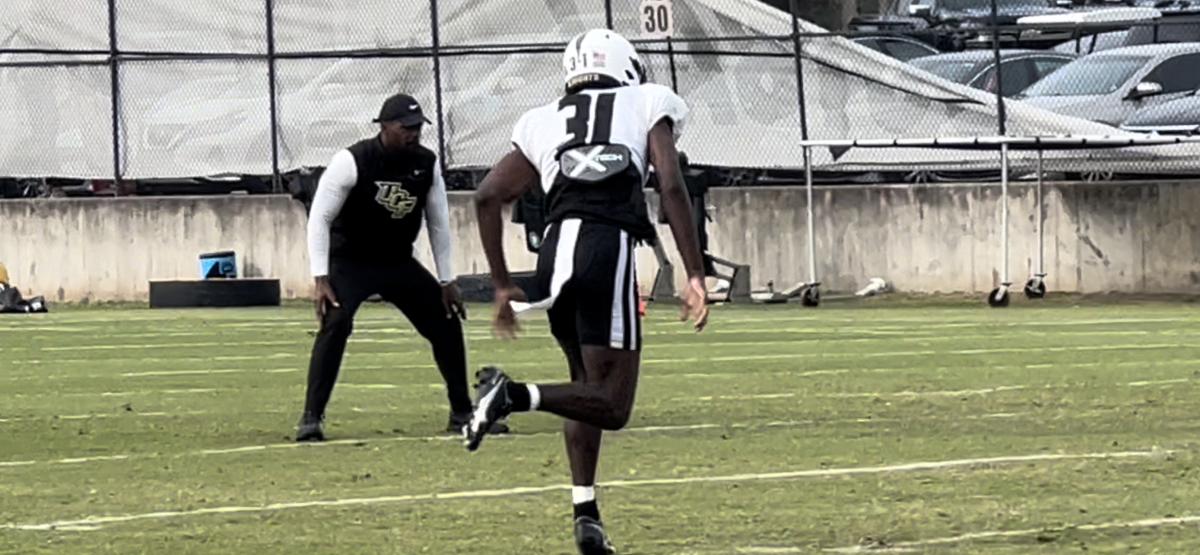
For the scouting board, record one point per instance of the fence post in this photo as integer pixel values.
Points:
(115, 92)
(276, 178)
(608, 20)
(435, 32)
(794, 7)
(1001, 116)
(812, 289)
(671, 60)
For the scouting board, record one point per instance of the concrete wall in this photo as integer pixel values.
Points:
(1102, 237)
(108, 249)
(1108, 237)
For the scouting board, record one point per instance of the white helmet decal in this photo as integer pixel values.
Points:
(601, 54)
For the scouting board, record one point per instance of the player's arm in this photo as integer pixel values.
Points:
(507, 181)
(333, 188)
(675, 204)
(437, 222)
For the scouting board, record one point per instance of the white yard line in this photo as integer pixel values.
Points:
(95, 522)
(824, 335)
(451, 437)
(687, 375)
(101, 415)
(1159, 382)
(811, 354)
(692, 375)
(905, 546)
(909, 393)
(940, 393)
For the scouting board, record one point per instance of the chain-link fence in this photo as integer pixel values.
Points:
(141, 90)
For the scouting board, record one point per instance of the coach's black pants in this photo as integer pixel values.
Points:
(417, 294)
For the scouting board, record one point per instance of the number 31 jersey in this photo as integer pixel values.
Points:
(590, 149)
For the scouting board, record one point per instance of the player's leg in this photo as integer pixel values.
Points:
(619, 377)
(604, 378)
(413, 290)
(605, 343)
(582, 439)
(602, 289)
(352, 285)
(604, 299)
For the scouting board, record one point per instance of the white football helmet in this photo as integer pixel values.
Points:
(602, 55)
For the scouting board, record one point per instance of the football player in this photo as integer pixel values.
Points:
(589, 150)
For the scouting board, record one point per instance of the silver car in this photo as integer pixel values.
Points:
(1110, 86)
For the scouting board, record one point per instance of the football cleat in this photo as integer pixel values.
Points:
(590, 537)
(458, 421)
(310, 428)
(491, 405)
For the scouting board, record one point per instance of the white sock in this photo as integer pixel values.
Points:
(583, 494)
(535, 396)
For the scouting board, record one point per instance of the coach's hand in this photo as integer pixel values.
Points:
(504, 324)
(323, 297)
(452, 300)
(695, 304)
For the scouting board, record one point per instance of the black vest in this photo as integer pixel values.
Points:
(617, 201)
(382, 215)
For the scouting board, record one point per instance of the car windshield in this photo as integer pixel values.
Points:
(959, 72)
(1089, 76)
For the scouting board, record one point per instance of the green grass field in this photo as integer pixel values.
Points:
(943, 429)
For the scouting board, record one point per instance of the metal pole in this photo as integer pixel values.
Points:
(671, 59)
(1001, 114)
(608, 23)
(1004, 212)
(276, 179)
(812, 238)
(437, 83)
(793, 4)
(1041, 266)
(115, 91)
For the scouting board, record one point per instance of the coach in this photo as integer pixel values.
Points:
(365, 217)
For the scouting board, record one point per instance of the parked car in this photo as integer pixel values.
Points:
(900, 48)
(954, 24)
(1110, 86)
(1177, 117)
(1143, 26)
(1078, 28)
(977, 68)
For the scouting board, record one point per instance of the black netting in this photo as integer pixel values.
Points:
(485, 94)
(744, 107)
(55, 121)
(195, 96)
(34, 24)
(327, 104)
(467, 22)
(700, 21)
(311, 26)
(221, 26)
(189, 118)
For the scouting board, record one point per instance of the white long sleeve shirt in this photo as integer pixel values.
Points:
(332, 190)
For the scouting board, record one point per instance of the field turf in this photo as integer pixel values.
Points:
(885, 426)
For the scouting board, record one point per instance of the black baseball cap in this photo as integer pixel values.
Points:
(403, 109)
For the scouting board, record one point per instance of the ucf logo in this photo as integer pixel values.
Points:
(392, 196)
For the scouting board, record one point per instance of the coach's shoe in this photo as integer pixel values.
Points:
(491, 405)
(310, 428)
(590, 537)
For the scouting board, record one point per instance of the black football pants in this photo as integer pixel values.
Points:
(417, 294)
